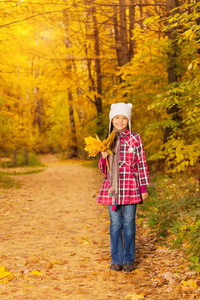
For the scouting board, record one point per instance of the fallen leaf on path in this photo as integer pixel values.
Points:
(94, 273)
(57, 288)
(190, 283)
(72, 254)
(37, 273)
(3, 272)
(132, 296)
(4, 275)
(169, 290)
(85, 240)
(168, 276)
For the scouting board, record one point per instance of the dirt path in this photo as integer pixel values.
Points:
(54, 239)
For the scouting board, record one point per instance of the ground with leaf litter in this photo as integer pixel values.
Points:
(55, 244)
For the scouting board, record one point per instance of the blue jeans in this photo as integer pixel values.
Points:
(122, 247)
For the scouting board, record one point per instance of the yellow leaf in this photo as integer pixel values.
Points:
(36, 273)
(56, 261)
(190, 283)
(94, 145)
(181, 266)
(94, 273)
(86, 242)
(3, 272)
(98, 139)
(190, 67)
(132, 296)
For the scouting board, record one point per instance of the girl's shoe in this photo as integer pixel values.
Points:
(128, 267)
(116, 267)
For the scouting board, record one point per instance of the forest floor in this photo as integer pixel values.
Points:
(55, 244)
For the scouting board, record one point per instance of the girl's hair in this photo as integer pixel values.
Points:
(114, 142)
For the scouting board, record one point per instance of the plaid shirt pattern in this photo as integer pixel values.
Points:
(133, 171)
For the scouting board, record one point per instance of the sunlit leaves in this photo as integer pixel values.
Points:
(190, 283)
(94, 145)
(5, 276)
(133, 296)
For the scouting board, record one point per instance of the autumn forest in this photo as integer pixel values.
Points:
(64, 62)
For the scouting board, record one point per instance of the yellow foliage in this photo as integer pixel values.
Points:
(84, 240)
(37, 273)
(190, 283)
(133, 296)
(94, 145)
(4, 274)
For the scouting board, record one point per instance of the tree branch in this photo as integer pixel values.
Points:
(19, 21)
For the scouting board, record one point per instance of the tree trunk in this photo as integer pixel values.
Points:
(198, 23)
(73, 146)
(15, 158)
(35, 106)
(98, 101)
(26, 156)
(117, 37)
(174, 110)
(40, 114)
(141, 15)
(124, 53)
(131, 28)
(27, 101)
(95, 85)
(172, 76)
(121, 37)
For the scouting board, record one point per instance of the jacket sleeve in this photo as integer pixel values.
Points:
(102, 165)
(142, 164)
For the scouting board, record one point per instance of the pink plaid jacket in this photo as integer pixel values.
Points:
(133, 172)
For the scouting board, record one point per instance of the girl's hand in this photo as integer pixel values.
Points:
(144, 196)
(104, 155)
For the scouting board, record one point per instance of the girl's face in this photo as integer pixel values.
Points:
(120, 122)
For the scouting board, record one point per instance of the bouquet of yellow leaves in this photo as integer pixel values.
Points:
(94, 145)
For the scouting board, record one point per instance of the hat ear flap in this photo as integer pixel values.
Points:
(130, 105)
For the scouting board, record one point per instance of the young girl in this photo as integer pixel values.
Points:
(124, 185)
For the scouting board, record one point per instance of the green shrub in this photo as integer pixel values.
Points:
(173, 209)
(8, 182)
(20, 160)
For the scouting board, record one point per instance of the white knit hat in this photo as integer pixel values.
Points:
(120, 109)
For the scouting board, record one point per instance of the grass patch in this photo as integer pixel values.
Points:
(33, 160)
(21, 173)
(92, 163)
(173, 210)
(8, 183)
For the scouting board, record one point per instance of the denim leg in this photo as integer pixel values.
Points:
(129, 233)
(116, 226)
